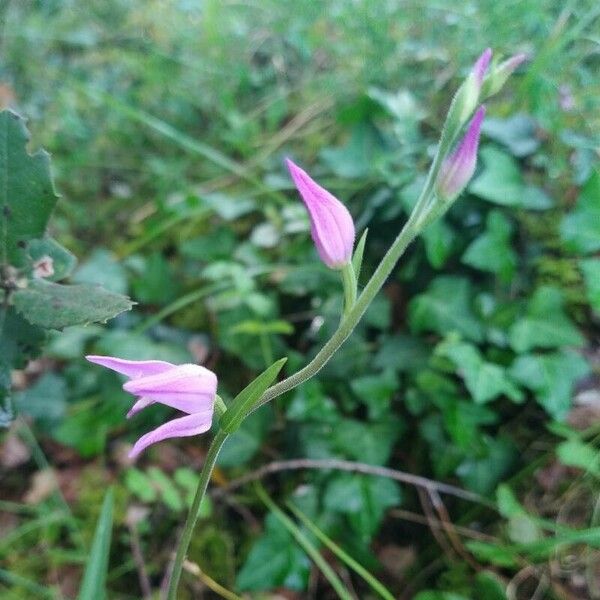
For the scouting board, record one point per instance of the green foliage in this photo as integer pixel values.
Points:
(93, 585)
(180, 198)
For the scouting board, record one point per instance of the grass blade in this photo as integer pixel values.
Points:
(306, 544)
(376, 586)
(94, 578)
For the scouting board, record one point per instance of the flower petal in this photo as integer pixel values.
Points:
(332, 227)
(131, 368)
(181, 427)
(180, 379)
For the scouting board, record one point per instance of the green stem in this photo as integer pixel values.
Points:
(190, 523)
(349, 281)
(351, 319)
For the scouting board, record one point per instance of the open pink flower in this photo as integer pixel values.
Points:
(331, 225)
(188, 388)
(457, 170)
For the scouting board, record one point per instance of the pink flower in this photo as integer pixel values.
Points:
(331, 225)
(188, 388)
(458, 168)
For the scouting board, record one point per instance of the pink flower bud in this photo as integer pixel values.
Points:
(331, 224)
(481, 65)
(188, 388)
(458, 168)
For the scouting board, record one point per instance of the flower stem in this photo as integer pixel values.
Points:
(190, 523)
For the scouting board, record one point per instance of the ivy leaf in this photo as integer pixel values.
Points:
(580, 230)
(27, 195)
(552, 378)
(367, 442)
(376, 391)
(446, 307)
(492, 251)
(590, 267)
(275, 560)
(363, 498)
(501, 182)
(242, 445)
(518, 133)
(484, 380)
(55, 306)
(439, 240)
(546, 325)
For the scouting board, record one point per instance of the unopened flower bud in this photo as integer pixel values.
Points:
(469, 94)
(458, 168)
(331, 225)
(500, 74)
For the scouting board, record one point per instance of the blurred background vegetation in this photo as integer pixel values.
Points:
(168, 122)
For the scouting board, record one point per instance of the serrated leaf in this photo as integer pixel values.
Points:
(55, 306)
(446, 307)
(245, 400)
(27, 195)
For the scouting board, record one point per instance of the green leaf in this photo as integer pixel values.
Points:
(500, 181)
(580, 230)
(45, 401)
(139, 484)
(546, 325)
(518, 133)
(63, 262)
(552, 378)
(243, 403)
(244, 443)
(376, 392)
(574, 453)
(103, 269)
(358, 254)
(27, 195)
(492, 251)
(168, 493)
(55, 306)
(93, 586)
(484, 380)
(590, 267)
(482, 473)
(363, 498)
(446, 307)
(439, 240)
(274, 561)
(367, 442)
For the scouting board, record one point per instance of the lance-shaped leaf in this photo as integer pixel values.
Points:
(55, 306)
(242, 404)
(27, 195)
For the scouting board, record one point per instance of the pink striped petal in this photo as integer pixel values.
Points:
(179, 380)
(131, 368)
(181, 427)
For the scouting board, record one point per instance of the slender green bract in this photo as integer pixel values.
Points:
(244, 401)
